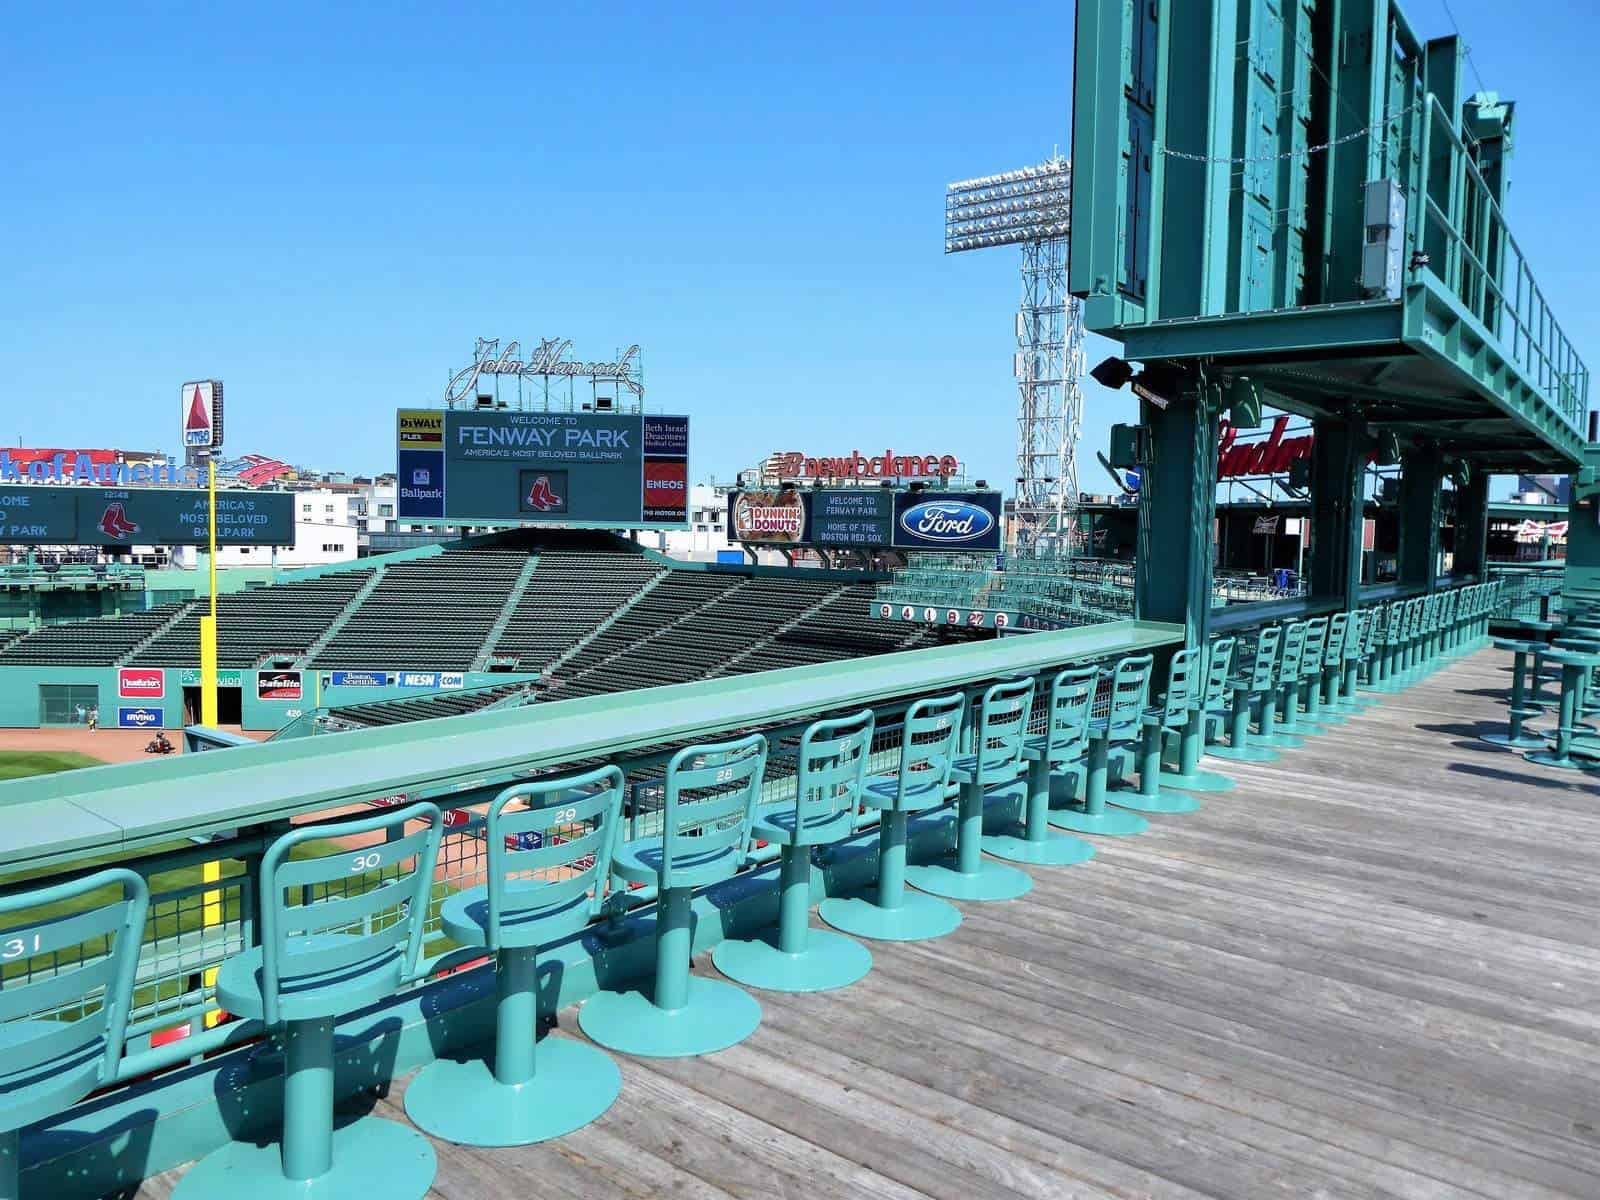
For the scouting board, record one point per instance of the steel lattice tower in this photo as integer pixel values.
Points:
(1029, 208)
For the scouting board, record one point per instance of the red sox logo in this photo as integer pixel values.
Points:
(114, 522)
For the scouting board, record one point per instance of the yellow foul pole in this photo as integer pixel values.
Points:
(211, 872)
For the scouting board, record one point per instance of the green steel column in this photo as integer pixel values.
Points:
(1420, 474)
(1338, 463)
(673, 948)
(794, 898)
(1177, 511)
(516, 1015)
(892, 860)
(1472, 525)
(1583, 529)
(308, 1098)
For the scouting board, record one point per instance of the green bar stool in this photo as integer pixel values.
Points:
(891, 912)
(1059, 750)
(549, 860)
(1171, 715)
(832, 768)
(1254, 688)
(1576, 665)
(1515, 737)
(1385, 643)
(64, 1006)
(1358, 645)
(995, 773)
(1311, 668)
(351, 937)
(1290, 672)
(1334, 711)
(709, 803)
(1130, 693)
(1208, 706)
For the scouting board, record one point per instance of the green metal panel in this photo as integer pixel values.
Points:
(1173, 566)
(1338, 463)
(1420, 517)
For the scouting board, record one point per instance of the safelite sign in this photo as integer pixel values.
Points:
(141, 683)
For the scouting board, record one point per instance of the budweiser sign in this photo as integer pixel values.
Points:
(856, 465)
(1268, 456)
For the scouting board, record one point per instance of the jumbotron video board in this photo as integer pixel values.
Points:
(34, 515)
(610, 470)
(866, 518)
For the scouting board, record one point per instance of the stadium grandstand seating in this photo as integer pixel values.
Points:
(428, 614)
(570, 594)
(281, 620)
(837, 629)
(100, 642)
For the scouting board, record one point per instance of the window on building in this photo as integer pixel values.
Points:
(333, 547)
(305, 508)
(386, 510)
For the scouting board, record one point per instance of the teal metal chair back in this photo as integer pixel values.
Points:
(1338, 631)
(1264, 669)
(831, 769)
(1364, 627)
(1294, 648)
(1072, 695)
(1183, 686)
(1002, 730)
(930, 737)
(711, 794)
(66, 985)
(1219, 669)
(1130, 693)
(550, 857)
(354, 932)
(1316, 642)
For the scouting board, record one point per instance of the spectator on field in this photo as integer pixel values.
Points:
(94, 719)
(83, 714)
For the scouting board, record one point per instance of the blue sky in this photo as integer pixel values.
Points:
(324, 205)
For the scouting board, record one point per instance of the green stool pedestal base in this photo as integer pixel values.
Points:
(829, 960)
(1549, 758)
(573, 1083)
(1161, 802)
(1280, 741)
(717, 1015)
(991, 881)
(1110, 823)
(370, 1157)
(1521, 741)
(917, 918)
(1252, 754)
(1052, 850)
(1194, 781)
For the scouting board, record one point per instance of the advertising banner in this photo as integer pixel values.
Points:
(138, 717)
(360, 679)
(626, 470)
(278, 685)
(864, 518)
(228, 679)
(93, 516)
(141, 683)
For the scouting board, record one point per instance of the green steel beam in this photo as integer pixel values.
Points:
(1472, 526)
(1338, 469)
(1421, 472)
(1173, 565)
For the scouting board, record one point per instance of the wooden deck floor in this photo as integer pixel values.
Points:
(1371, 970)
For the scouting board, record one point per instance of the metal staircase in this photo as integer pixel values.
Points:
(338, 623)
(184, 610)
(492, 639)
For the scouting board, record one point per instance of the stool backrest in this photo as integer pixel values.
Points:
(1316, 641)
(555, 846)
(1183, 684)
(1001, 731)
(929, 737)
(1264, 668)
(1219, 666)
(832, 768)
(1130, 694)
(1294, 648)
(1366, 640)
(374, 897)
(1338, 631)
(710, 799)
(68, 957)
(1071, 701)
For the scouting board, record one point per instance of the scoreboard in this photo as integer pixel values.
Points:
(36, 515)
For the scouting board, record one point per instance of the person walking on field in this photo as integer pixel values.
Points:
(94, 719)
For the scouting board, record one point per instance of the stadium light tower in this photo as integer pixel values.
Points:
(1030, 208)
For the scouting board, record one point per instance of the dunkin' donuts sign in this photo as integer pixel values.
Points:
(769, 517)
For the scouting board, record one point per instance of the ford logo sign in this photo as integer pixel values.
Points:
(946, 521)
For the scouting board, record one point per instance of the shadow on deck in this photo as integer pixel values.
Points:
(1371, 970)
